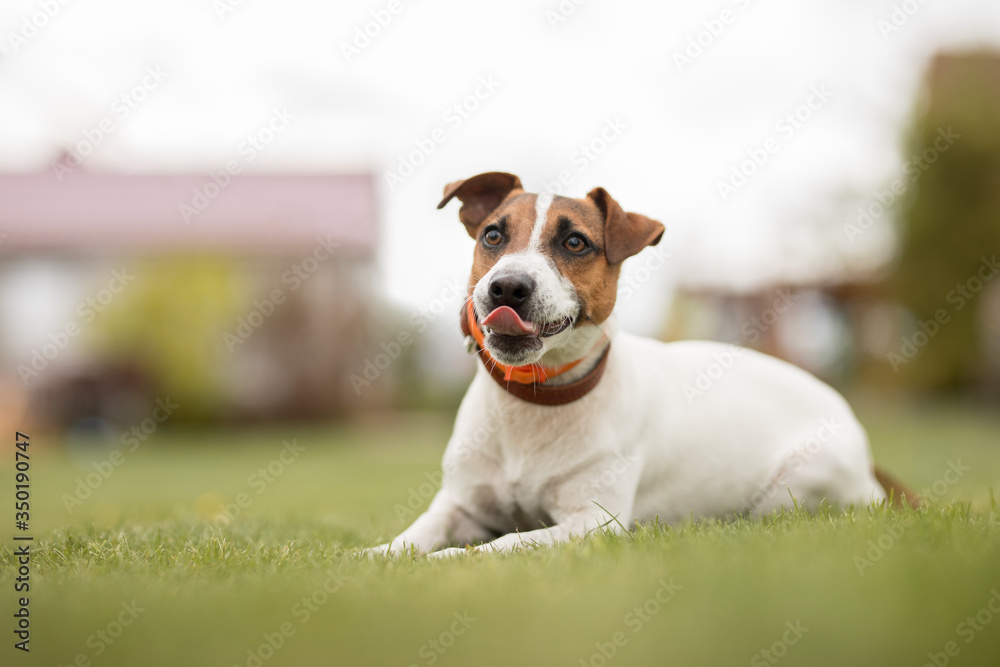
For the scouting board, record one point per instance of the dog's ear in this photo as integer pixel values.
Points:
(480, 195)
(625, 234)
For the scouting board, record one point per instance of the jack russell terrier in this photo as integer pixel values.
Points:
(570, 426)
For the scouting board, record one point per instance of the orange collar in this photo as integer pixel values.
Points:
(529, 381)
(530, 374)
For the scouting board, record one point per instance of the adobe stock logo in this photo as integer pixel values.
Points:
(958, 298)
(455, 116)
(712, 30)
(432, 650)
(372, 368)
(723, 360)
(59, 340)
(882, 201)
(296, 276)
(588, 153)
(779, 648)
(635, 620)
(901, 14)
(968, 630)
(105, 468)
(787, 127)
(364, 34)
(562, 12)
(121, 109)
(33, 23)
(203, 195)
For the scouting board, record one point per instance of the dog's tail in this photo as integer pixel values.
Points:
(899, 493)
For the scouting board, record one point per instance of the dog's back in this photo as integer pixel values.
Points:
(742, 431)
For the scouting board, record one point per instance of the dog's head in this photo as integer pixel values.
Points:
(545, 270)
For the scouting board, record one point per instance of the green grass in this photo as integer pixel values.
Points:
(211, 589)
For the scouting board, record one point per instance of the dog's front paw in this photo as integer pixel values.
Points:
(449, 553)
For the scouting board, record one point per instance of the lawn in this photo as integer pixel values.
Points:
(188, 554)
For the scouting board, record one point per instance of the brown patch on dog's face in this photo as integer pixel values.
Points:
(572, 239)
(553, 261)
(513, 220)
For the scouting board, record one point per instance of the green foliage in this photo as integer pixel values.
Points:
(951, 219)
(169, 322)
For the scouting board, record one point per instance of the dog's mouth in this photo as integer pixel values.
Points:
(504, 321)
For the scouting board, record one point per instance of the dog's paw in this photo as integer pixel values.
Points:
(449, 553)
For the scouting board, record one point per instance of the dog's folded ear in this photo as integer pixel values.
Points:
(625, 234)
(480, 195)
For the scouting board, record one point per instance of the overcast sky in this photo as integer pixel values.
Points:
(682, 95)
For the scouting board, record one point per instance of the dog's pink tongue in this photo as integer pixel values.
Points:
(505, 321)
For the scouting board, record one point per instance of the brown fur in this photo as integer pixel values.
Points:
(594, 278)
(625, 233)
(480, 195)
(899, 493)
(518, 207)
(613, 234)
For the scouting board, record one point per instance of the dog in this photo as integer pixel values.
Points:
(570, 426)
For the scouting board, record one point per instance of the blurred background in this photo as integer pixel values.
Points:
(229, 206)
(229, 309)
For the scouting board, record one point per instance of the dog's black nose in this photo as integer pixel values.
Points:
(510, 289)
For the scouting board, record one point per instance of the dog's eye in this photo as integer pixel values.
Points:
(575, 243)
(493, 237)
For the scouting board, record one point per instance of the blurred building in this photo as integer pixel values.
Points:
(925, 314)
(238, 296)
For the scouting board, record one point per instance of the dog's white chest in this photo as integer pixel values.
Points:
(510, 480)
(645, 439)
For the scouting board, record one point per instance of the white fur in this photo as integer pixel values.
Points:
(637, 448)
(653, 439)
(554, 298)
(542, 203)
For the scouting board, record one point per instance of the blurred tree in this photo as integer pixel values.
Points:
(170, 323)
(950, 225)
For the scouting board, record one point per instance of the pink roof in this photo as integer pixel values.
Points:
(269, 213)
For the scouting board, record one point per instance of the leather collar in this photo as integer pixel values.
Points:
(528, 382)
